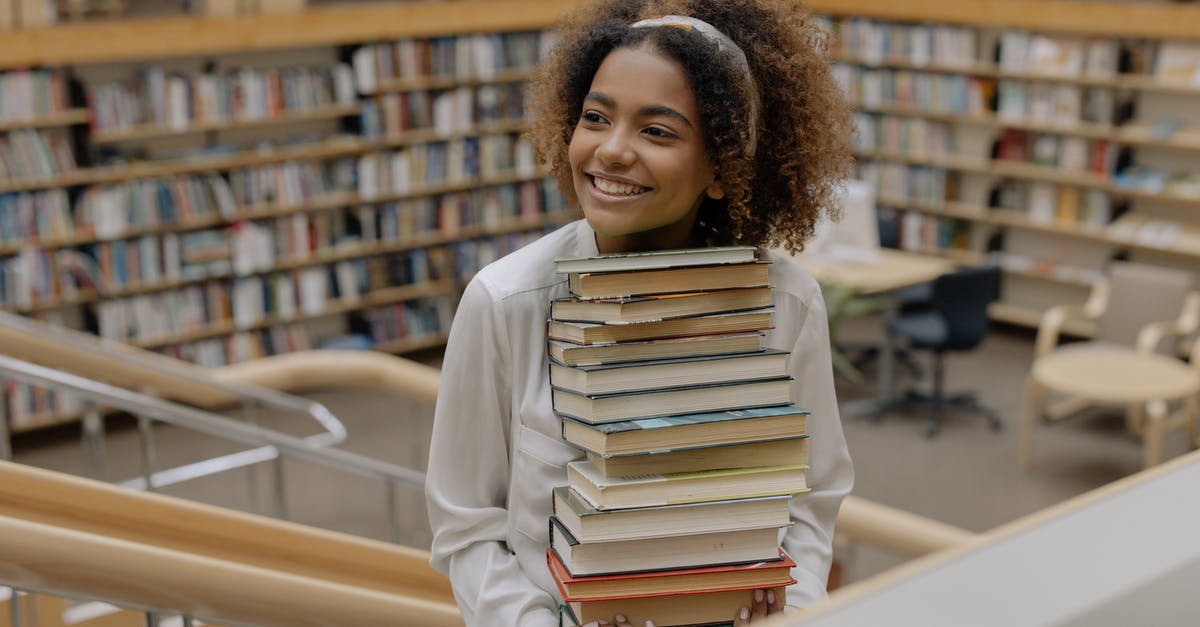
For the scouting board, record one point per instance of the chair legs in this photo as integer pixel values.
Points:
(1030, 412)
(938, 401)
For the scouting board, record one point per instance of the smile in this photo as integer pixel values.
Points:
(616, 188)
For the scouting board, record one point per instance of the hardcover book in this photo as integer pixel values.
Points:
(750, 454)
(598, 408)
(716, 609)
(662, 553)
(659, 307)
(686, 487)
(765, 574)
(669, 373)
(656, 259)
(670, 280)
(571, 354)
(590, 333)
(589, 525)
(660, 433)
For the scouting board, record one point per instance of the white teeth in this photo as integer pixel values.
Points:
(615, 188)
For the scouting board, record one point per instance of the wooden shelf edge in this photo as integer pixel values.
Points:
(68, 117)
(144, 132)
(149, 38)
(1162, 21)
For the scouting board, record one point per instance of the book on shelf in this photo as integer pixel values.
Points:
(598, 408)
(741, 546)
(656, 259)
(588, 524)
(1178, 62)
(669, 373)
(715, 324)
(1056, 56)
(779, 452)
(765, 574)
(686, 487)
(663, 433)
(669, 280)
(659, 307)
(575, 354)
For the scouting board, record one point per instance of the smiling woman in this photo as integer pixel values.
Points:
(653, 115)
(639, 165)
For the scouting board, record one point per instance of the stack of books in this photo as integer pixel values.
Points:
(694, 449)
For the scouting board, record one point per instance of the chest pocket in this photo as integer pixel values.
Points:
(540, 465)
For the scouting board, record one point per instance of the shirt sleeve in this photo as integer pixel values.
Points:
(830, 475)
(467, 481)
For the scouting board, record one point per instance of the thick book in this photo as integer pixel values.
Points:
(763, 453)
(660, 433)
(765, 574)
(592, 333)
(686, 487)
(588, 524)
(659, 307)
(717, 609)
(670, 280)
(599, 408)
(663, 553)
(571, 354)
(669, 373)
(656, 259)
(691, 430)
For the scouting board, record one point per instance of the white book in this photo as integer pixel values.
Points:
(363, 61)
(314, 290)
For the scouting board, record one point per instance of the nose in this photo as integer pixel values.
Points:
(615, 150)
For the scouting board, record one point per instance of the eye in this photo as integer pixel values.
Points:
(659, 133)
(591, 117)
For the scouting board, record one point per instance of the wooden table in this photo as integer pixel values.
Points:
(1115, 376)
(877, 272)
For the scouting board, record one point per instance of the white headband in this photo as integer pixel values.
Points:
(724, 44)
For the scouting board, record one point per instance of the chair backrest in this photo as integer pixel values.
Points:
(1141, 294)
(962, 298)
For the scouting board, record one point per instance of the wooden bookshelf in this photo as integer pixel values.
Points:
(319, 257)
(69, 117)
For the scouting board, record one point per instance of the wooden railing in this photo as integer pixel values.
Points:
(83, 538)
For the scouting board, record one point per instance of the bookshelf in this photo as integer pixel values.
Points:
(1047, 137)
(223, 188)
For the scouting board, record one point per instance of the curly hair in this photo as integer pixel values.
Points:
(776, 192)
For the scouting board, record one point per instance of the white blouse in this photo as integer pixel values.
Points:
(497, 450)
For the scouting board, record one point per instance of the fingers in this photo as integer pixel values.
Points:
(760, 605)
(742, 618)
(775, 602)
(621, 621)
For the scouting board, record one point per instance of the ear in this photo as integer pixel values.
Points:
(715, 191)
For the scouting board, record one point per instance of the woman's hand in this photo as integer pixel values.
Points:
(766, 603)
(618, 621)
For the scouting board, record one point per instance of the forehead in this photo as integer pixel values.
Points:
(641, 77)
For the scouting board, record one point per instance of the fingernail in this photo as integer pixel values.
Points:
(745, 613)
(620, 618)
(758, 596)
(771, 597)
(649, 623)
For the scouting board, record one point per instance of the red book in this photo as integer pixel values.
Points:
(702, 580)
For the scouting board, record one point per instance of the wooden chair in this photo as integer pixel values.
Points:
(1135, 308)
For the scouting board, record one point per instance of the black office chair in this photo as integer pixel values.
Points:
(957, 322)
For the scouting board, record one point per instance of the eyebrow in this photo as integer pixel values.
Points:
(650, 110)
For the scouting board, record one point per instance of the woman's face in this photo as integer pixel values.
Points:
(638, 157)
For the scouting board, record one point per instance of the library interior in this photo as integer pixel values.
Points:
(234, 235)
